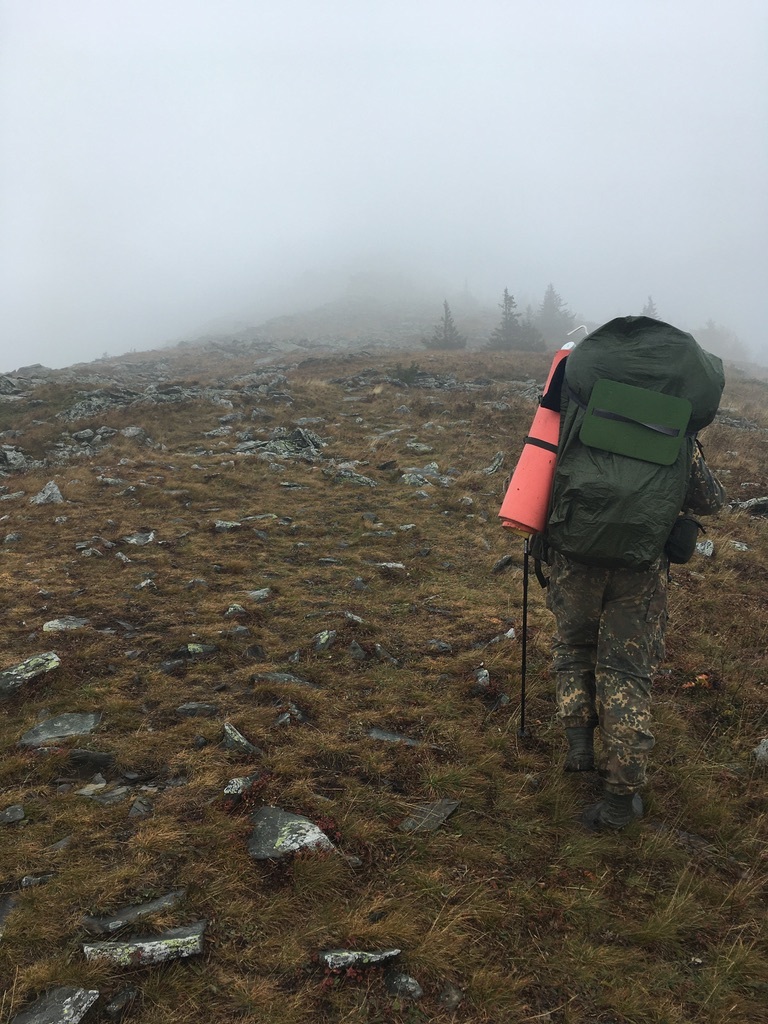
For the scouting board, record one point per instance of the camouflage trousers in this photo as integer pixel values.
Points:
(609, 640)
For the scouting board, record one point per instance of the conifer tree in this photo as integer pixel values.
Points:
(649, 309)
(531, 339)
(553, 319)
(507, 335)
(445, 334)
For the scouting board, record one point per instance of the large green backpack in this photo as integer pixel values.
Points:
(636, 391)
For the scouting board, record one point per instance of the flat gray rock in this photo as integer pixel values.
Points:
(277, 833)
(339, 959)
(281, 678)
(107, 925)
(235, 741)
(59, 728)
(760, 753)
(64, 623)
(392, 737)
(65, 1005)
(402, 985)
(174, 944)
(50, 495)
(140, 538)
(11, 679)
(429, 817)
(12, 814)
(197, 709)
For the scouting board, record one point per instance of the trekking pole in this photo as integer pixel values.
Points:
(521, 732)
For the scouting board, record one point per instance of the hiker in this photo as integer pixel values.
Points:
(629, 472)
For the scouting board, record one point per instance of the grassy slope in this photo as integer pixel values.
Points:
(511, 900)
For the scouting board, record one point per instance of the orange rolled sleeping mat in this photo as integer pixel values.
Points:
(526, 502)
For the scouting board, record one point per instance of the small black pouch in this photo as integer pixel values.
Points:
(681, 542)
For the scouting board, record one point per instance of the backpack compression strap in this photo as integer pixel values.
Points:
(606, 414)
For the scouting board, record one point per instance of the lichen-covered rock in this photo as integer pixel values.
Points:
(64, 1005)
(68, 724)
(340, 959)
(50, 495)
(64, 623)
(278, 833)
(126, 915)
(174, 944)
(235, 741)
(12, 678)
(429, 817)
(402, 985)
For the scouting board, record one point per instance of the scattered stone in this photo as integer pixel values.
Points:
(419, 448)
(64, 1005)
(706, 548)
(194, 650)
(340, 959)
(32, 881)
(440, 647)
(12, 814)
(739, 545)
(64, 623)
(450, 997)
(383, 655)
(127, 915)
(503, 564)
(496, 464)
(122, 1003)
(292, 713)
(259, 595)
(358, 652)
(12, 678)
(60, 727)
(235, 611)
(101, 794)
(12, 538)
(755, 506)
(50, 495)
(90, 761)
(277, 833)
(281, 678)
(509, 635)
(392, 737)
(322, 641)
(348, 476)
(141, 538)
(402, 986)
(429, 817)
(141, 808)
(225, 526)
(197, 709)
(173, 944)
(760, 753)
(235, 741)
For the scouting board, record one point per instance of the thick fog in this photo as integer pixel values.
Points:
(169, 163)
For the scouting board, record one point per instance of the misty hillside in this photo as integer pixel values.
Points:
(260, 684)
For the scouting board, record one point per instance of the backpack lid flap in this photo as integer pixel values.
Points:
(635, 422)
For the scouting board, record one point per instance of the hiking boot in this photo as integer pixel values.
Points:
(581, 751)
(615, 811)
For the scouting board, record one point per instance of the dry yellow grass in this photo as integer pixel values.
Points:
(509, 901)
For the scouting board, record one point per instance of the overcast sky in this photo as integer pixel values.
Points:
(168, 162)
